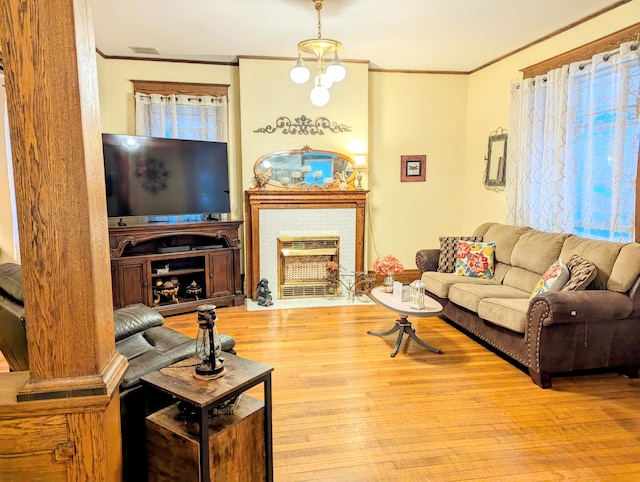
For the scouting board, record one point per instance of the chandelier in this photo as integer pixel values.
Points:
(327, 74)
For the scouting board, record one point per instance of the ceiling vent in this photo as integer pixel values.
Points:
(145, 50)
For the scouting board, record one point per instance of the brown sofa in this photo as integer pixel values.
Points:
(555, 332)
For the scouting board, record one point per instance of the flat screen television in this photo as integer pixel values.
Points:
(150, 176)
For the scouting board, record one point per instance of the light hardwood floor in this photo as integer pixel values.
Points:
(344, 410)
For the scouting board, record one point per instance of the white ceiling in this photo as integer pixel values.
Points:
(431, 35)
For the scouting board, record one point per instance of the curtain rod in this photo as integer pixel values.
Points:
(606, 56)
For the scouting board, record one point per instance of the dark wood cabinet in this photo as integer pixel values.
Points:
(176, 267)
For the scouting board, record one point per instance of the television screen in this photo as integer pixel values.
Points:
(149, 176)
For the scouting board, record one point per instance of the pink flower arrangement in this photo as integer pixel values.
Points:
(331, 266)
(387, 264)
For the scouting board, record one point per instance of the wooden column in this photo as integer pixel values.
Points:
(48, 50)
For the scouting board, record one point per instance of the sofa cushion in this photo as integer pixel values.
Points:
(475, 259)
(134, 319)
(469, 296)
(509, 313)
(553, 279)
(447, 256)
(11, 280)
(505, 237)
(581, 273)
(626, 269)
(601, 253)
(535, 250)
(439, 283)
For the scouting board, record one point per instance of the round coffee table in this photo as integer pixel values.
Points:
(403, 325)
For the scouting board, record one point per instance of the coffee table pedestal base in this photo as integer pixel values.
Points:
(403, 325)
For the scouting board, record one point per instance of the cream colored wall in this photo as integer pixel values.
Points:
(117, 108)
(414, 114)
(446, 117)
(488, 107)
(267, 93)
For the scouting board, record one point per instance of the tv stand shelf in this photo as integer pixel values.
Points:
(143, 271)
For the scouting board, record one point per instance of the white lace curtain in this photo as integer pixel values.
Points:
(202, 118)
(573, 147)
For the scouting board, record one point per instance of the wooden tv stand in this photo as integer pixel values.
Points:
(145, 257)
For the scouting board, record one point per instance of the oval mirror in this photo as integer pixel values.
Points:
(305, 167)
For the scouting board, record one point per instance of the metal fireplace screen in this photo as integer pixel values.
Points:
(302, 267)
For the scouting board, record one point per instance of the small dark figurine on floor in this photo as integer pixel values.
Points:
(264, 293)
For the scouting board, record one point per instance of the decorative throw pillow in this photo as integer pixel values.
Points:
(447, 258)
(553, 279)
(475, 259)
(582, 272)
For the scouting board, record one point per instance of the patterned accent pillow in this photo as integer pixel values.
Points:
(447, 258)
(582, 271)
(553, 279)
(475, 259)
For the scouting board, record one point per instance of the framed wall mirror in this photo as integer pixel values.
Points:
(496, 159)
(305, 168)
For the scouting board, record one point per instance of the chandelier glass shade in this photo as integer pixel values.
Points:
(321, 49)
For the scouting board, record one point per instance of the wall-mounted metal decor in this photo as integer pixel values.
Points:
(496, 160)
(304, 126)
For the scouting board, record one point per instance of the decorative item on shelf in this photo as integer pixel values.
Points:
(327, 75)
(263, 177)
(164, 270)
(168, 289)
(416, 295)
(264, 293)
(388, 266)
(342, 180)
(194, 289)
(208, 345)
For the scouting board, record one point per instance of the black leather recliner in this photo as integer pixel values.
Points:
(140, 336)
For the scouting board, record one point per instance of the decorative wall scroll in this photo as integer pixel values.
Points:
(304, 126)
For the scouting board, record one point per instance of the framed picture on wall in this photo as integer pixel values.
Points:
(413, 168)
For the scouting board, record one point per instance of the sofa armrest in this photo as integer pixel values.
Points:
(427, 260)
(588, 306)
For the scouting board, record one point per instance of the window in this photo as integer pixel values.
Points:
(181, 110)
(574, 139)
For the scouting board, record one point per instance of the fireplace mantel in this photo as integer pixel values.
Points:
(257, 199)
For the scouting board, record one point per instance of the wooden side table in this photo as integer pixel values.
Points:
(203, 395)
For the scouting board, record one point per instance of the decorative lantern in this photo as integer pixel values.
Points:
(416, 295)
(208, 345)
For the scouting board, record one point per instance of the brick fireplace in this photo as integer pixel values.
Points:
(271, 214)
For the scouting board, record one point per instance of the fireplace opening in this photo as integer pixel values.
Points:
(302, 266)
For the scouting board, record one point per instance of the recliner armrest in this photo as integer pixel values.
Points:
(134, 319)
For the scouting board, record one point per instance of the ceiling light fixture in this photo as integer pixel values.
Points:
(327, 75)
